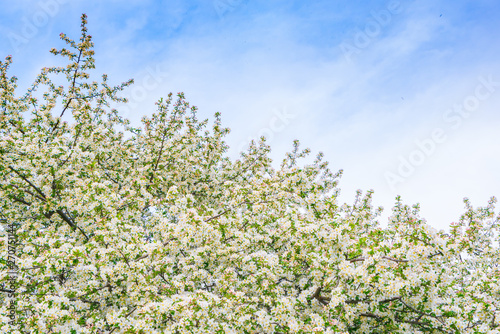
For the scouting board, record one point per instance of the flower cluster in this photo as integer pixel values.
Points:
(154, 230)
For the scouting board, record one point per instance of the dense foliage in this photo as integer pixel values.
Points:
(154, 230)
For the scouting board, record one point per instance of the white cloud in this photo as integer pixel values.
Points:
(363, 114)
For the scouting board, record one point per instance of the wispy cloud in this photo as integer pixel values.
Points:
(253, 59)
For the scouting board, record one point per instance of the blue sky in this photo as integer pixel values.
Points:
(402, 95)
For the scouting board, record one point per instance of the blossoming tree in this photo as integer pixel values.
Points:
(154, 230)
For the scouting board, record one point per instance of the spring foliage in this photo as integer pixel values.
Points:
(154, 230)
